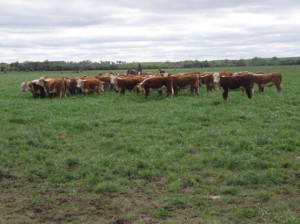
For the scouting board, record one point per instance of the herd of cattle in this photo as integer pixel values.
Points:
(143, 83)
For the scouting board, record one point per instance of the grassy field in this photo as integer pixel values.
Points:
(124, 159)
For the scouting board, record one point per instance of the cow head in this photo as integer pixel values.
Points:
(24, 87)
(216, 77)
(80, 83)
(113, 79)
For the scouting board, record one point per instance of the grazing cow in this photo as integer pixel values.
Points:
(186, 80)
(263, 80)
(37, 90)
(227, 83)
(129, 83)
(90, 85)
(208, 80)
(53, 86)
(159, 83)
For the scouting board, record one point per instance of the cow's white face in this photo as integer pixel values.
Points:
(216, 77)
(80, 83)
(23, 86)
(113, 79)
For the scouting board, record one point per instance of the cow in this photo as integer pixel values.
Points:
(122, 83)
(71, 85)
(262, 80)
(227, 83)
(187, 80)
(159, 83)
(106, 82)
(90, 85)
(37, 90)
(208, 80)
(53, 86)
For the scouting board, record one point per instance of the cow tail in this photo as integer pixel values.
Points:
(172, 86)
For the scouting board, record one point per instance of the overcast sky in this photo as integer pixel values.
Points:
(147, 30)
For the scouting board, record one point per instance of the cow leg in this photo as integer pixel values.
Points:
(225, 94)
(249, 92)
(278, 87)
(196, 90)
(176, 90)
(169, 92)
(122, 92)
(147, 90)
(208, 88)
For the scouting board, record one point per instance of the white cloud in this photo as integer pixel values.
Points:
(154, 30)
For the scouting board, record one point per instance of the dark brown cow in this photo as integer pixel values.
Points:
(158, 83)
(90, 85)
(227, 83)
(186, 80)
(263, 80)
(53, 86)
(129, 83)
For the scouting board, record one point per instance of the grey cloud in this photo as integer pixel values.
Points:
(146, 30)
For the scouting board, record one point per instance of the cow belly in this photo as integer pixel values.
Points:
(268, 84)
(159, 88)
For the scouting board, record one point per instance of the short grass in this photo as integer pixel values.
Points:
(124, 159)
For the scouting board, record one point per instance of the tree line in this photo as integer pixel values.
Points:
(122, 65)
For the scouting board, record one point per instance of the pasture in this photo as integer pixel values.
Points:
(127, 159)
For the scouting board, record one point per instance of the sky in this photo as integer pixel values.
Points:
(147, 30)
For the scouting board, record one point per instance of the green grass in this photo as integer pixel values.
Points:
(125, 159)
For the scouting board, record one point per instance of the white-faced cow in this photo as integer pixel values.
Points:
(90, 85)
(36, 90)
(125, 83)
(227, 83)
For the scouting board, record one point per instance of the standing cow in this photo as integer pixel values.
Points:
(53, 86)
(158, 83)
(263, 80)
(227, 83)
(90, 85)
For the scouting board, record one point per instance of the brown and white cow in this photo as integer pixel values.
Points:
(37, 90)
(190, 81)
(53, 86)
(71, 85)
(227, 83)
(90, 85)
(208, 80)
(106, 82)
(263, 80)
(157, 83)
(125, 83)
